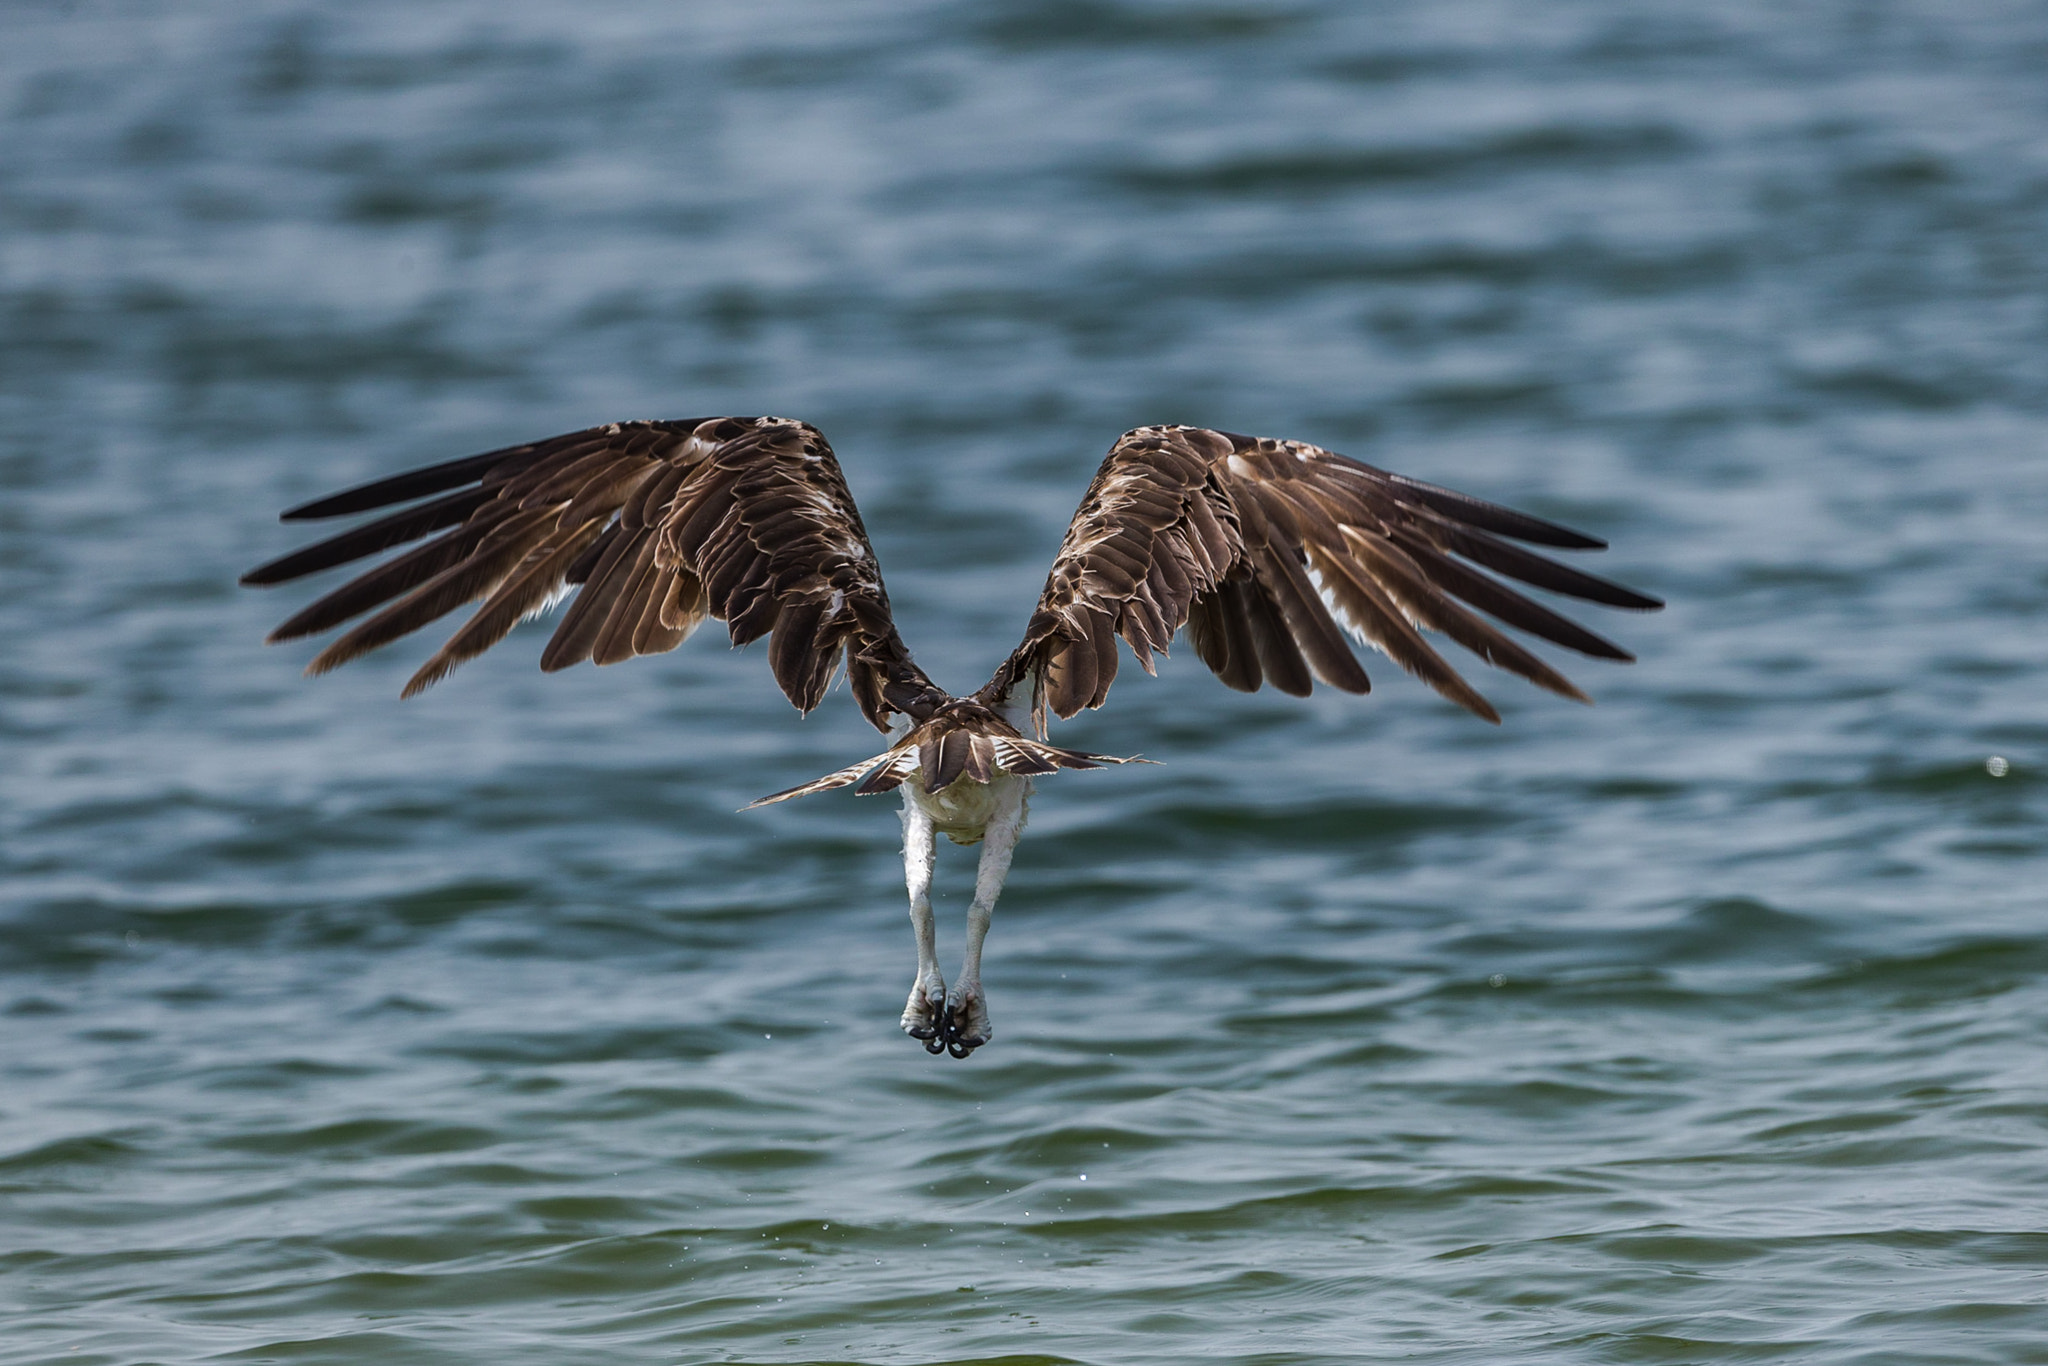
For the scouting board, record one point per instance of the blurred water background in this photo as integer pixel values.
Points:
(1705, 1025)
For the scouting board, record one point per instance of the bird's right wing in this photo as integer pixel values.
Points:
(1260, 548)
(659, 524)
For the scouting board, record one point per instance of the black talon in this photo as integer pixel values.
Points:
(934, 1046)
(950, 1033)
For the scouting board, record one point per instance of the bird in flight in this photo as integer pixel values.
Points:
(1267, 552)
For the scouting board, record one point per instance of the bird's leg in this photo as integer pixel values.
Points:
(925, 1013)
(967, 1024)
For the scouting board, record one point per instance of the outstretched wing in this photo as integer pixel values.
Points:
(1261, 547)
(660, 525)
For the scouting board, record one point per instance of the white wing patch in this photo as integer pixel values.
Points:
(555, 598)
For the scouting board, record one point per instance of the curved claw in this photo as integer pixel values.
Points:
(924, 1015)
(955, 1023)
(965, 1025)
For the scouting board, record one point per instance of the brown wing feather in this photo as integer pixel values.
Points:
(576, 635)
(638, 582)
(1253, 544)
(464, 582)
(655, 526)
(524, 592)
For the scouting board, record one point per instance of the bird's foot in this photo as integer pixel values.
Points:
(924, 1015)
(966, 1026)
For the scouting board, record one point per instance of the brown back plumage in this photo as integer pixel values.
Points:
(1252, 543)
(660, 524)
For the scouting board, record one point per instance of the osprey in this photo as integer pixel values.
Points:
(1267, 552)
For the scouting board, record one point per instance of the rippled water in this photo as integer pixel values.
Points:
(1704, 1025)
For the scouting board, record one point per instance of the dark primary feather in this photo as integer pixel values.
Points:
(1460, 507)
(403, 488)
(1261, 548)
(370, 538)
(654, 525)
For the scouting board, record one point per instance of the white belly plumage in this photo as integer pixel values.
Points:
(963, 810)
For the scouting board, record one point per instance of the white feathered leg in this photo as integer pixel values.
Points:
(925, 1013)
(967, 1022)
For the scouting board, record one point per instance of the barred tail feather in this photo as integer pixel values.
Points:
(852, 773)
(889, 770)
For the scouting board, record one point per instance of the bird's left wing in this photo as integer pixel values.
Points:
(660, 524)
(1260, 548)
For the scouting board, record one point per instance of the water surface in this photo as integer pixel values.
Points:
(1704, 1025)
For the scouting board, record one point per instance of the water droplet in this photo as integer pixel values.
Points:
(1499, 979)
(1084, 1176)
(1996, 766)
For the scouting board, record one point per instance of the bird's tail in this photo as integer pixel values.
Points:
(943, 759)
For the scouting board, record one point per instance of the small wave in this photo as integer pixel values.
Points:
(362, 1138)
(1343, 170)
(76, 1150)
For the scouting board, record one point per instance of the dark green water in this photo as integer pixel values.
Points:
(1705, 1025)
